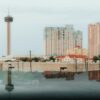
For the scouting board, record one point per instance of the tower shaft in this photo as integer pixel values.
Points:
(8, 39)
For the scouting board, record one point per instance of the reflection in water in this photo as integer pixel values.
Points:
(94, 75)
(9, 86)
(56, 74)
(27, 84)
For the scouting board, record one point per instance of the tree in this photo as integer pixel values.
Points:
(52, 59)
(95, 58)
(36, 59)
(99, 61)
(24, 59)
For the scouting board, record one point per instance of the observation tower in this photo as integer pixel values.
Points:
(8, 19)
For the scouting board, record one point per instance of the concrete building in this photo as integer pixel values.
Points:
(59, 40)
(78, 51)
(94, 39)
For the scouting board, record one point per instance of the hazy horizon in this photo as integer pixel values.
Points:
(32, 16)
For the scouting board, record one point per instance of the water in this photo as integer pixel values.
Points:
(34, 84)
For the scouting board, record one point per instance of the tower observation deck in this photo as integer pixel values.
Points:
(8, 19)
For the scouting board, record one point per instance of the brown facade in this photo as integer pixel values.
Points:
(94, 40)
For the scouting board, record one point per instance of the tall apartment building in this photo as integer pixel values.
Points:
(59, 40)
(94, 39)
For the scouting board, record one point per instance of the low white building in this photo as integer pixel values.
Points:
(6, 58)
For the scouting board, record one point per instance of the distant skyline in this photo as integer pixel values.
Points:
(32, 16)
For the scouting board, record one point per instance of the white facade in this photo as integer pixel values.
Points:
(59, 40)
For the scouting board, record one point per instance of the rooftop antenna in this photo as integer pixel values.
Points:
(8, 12)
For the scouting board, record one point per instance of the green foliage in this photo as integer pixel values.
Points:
(24, 59)
(45, 60)
(98, 57)
(95, 58)
(52, 59)
(36, 59)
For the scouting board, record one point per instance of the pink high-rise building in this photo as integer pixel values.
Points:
(59, 40)
(94, 39)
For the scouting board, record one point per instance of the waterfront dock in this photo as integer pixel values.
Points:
(49, 69)
(48, 66)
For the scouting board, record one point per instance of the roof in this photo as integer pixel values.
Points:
(72, 56)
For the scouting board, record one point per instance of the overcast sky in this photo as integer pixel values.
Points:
(31, 17)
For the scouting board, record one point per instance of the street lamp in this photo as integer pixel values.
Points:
(30, 61)
(86, 63)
